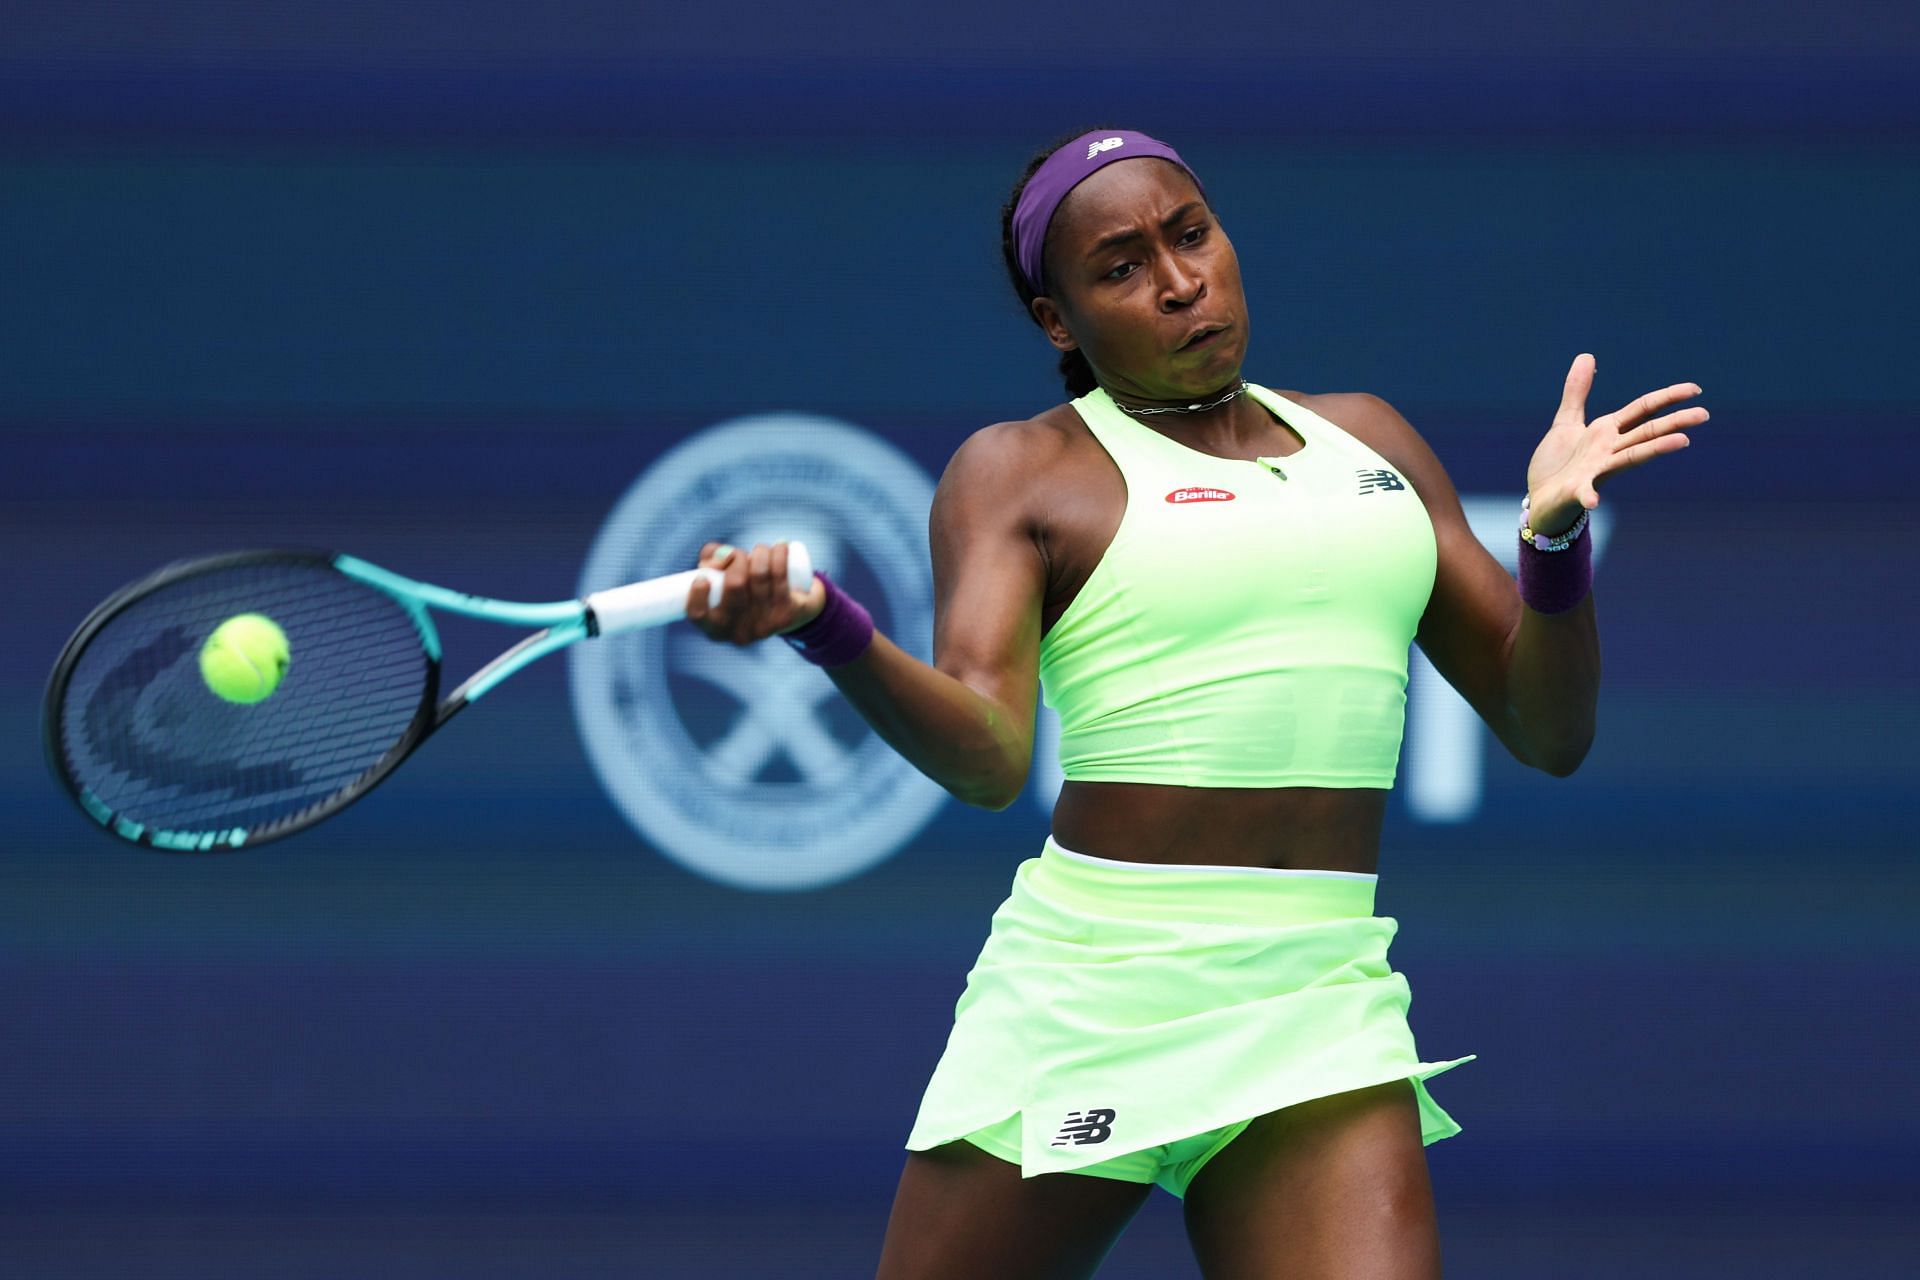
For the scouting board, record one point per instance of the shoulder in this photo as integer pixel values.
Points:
(988, 522)
(1382, 428)
(1368, 419)
(1045, 437)
(1009, 459)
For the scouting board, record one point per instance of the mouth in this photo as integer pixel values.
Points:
(1203, 337)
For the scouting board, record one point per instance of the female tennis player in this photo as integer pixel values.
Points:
(1215, 584)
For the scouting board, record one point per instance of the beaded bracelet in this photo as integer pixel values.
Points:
(1541, 541)
(840, 633)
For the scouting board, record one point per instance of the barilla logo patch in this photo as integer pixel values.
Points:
(1199, 495)
(1105, 144)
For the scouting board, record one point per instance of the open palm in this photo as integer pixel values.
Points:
(1576, 455)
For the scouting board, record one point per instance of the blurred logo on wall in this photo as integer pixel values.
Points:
(743, 763)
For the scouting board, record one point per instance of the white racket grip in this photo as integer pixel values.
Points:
(652, 603)
(658, 601)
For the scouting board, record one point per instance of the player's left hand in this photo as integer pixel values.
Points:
(1576, 455)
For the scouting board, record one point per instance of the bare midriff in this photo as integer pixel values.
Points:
(1298, 828)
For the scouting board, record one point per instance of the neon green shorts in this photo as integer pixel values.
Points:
(1128, 1020)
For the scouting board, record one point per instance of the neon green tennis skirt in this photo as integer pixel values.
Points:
(1128, 1019)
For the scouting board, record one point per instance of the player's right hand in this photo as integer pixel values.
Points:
(757, 601)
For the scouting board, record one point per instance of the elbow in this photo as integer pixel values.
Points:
(1555, 744)
(992, 789)
(992, 772)
(1563, 760)
(992, 794)
(1561, 766)
(994, 801)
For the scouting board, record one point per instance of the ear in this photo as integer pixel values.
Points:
(1053, 323)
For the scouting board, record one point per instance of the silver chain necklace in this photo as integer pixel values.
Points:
(1189, 408)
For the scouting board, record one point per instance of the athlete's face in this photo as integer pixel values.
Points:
(1136, 267)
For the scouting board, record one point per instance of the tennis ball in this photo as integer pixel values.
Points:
(244, 659)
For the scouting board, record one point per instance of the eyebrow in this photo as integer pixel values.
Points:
(1105, 243)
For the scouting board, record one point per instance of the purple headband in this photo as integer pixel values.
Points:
(1066, 169)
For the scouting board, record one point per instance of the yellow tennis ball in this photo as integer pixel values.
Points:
(245, 658)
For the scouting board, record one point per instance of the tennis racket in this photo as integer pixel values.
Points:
(151, 754)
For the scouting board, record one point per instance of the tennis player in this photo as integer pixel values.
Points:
(1215, 584)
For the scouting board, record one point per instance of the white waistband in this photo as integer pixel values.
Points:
(1183, 866)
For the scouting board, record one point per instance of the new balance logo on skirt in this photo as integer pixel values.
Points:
(1084, 1128)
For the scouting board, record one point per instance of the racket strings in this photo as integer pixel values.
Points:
(143, 733)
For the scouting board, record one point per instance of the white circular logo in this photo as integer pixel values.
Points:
(745, 764)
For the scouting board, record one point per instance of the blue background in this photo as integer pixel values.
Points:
(434, 283)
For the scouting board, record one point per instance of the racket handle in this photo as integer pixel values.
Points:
(799, 567)
(658, 601)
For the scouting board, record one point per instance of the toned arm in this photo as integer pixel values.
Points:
(967, 720)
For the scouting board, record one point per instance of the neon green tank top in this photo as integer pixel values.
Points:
(1249, 624)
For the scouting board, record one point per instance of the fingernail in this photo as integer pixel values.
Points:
(722, 553)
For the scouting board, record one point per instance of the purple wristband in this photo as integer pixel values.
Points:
(840, 634)
(1555, 581)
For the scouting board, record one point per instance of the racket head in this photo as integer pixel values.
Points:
(149, 752)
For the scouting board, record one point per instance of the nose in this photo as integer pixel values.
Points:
(1181, 284)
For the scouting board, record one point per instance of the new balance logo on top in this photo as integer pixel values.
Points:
(1379, 479)
(1105, 144)
(1084, 1128)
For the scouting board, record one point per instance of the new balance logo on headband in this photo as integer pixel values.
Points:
(1379, 479)
(1083, 1128)
(1105, 144)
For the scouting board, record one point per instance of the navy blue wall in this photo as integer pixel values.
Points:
(437, 289)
